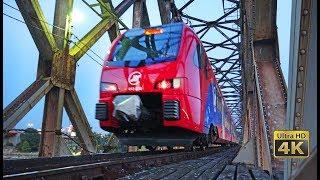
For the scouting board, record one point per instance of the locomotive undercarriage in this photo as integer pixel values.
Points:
(138, 113)
(141, 124)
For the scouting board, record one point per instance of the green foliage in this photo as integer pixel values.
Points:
(32, 137)
(99, 141)
(106, 142)
(30, 142)
(25, 147)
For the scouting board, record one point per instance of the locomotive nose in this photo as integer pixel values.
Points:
(129, 80)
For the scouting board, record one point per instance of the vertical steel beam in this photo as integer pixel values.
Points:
(140, 14)
(272, 87)
(263, 145)
(164, 9)
(302, 106)
(52, 118)
(62, 22)
(245, 128)
(264, 86)
(250, 112)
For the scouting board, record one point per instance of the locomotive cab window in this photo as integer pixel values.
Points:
(196, 57)
(219, 102)
(199, 59)
(204, 61)
(139, 47)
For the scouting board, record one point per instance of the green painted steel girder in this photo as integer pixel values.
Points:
(82, 46)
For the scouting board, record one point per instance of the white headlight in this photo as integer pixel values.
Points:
(107, 87)
(176, 83)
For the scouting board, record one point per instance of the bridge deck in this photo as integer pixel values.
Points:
(216, 166)
(212, 163)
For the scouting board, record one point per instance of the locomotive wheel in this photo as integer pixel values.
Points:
(170, 148)
(190, 148)
(151, 148)
(204, 143)
(213, 135)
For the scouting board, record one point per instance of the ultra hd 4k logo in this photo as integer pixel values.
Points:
(291, 144)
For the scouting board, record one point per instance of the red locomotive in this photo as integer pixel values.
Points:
(158, 89)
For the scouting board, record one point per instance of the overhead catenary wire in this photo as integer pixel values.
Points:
(14, 18)
(87, 46)
(88, 54)
(34, 17)
(96, 61)
(55, 34)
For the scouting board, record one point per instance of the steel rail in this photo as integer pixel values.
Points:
(114, 168)
(16, 166)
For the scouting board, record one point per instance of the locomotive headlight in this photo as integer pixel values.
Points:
(176, 83)
(164, 84)
(108, 87)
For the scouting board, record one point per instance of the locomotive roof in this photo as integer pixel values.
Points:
(159, 26)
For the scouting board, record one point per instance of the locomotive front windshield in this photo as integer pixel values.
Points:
(139, 47)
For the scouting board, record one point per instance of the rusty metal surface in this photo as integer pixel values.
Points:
(272, 90)
(52, 120)
(123, 6)
(164, 9)
(24, 102)
(62, 75)
(63, 70)
(265, 19)
(265, 90)
(140, 14)
(111, 169)
(79, 120)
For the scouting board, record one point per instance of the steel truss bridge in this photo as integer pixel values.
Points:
(248, 73)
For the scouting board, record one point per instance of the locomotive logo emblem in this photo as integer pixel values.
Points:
(134, 78)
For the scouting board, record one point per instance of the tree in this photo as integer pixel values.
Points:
(25, 147)
(100, 141)
(32, 137)
(106, 143)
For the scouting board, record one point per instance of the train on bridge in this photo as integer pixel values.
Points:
(158, 89)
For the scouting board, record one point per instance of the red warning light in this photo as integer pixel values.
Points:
(153, 31)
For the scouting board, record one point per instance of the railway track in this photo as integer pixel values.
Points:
(100, 166)
(16, 166)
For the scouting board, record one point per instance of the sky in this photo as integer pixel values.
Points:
(20, 56)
